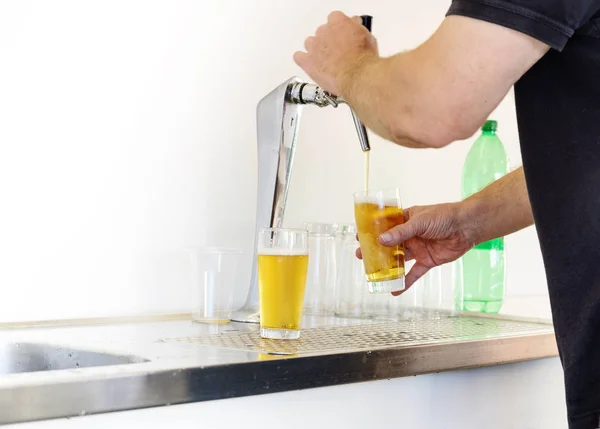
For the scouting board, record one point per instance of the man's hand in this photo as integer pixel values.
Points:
(435, 235)
(432, 236)
(337, 52)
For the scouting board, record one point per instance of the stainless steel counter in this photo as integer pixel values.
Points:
(177, 361)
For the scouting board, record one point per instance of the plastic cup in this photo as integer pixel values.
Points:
(213, 272)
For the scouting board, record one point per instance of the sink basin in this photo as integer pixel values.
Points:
(31, 357)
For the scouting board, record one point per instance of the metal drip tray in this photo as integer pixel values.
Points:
(123, 366)
(27, 357)
(371, 336)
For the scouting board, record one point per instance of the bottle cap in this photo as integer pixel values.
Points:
(490, 126)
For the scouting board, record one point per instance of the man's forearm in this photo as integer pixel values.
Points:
(371, 91)
(392, 97)
(443, 90)
(499, 209)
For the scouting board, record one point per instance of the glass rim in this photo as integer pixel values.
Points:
(349, 228)
(215, 249)
(320, 228)
(298, 230)
(374, 192)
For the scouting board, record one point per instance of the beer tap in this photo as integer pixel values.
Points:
(304, 93)
(278, 119)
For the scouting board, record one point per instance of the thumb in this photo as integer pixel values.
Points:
(400, 233)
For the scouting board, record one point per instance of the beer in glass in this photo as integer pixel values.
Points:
(376, 212)
(282, 270)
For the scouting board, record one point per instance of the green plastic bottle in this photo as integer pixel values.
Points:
(483, 267)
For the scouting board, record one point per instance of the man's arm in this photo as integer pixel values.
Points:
(440, 92)
(500, 209)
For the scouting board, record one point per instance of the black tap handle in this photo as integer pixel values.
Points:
(367, 21)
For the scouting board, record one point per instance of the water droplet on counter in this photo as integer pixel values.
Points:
(82, 412)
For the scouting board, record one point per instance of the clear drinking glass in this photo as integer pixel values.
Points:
(282, 270)
(409, 305)
(433, 293)
(341, 232)
(375, 213)
(351, 285)
(320, 284)
(458, 285)
(213, 275)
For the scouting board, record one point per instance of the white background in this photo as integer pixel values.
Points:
(127, 133)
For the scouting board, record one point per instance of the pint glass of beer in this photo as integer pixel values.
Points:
(282, 270)
(376, 212)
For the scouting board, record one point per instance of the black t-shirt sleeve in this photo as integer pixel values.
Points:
(550, 21)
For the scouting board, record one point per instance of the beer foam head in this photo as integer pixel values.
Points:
(377, 200)
(271, 251)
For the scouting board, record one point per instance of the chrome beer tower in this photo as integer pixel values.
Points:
(278, 121)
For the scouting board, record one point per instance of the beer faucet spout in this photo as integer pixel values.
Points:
(304, 93)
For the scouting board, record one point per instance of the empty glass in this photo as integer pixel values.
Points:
(213, 275)
(432, 293)
(351, 284)
(379, 305)
(458, 285)
(342, 231)
(319, 298)
(409, 305)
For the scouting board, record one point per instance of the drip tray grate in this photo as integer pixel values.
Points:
(370, 336)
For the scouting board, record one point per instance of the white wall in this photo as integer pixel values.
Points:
(127, 132)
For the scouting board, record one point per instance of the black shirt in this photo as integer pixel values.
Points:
(558, 112)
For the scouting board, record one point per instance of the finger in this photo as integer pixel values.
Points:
(408, 255)
(309, 43)
(336, 16)
(321, 30)
(415, 273)
(357, 236)
(375, 43)
(301, 58)
(400, 292)
(400, 233)
(359, 253)
(357, 19)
